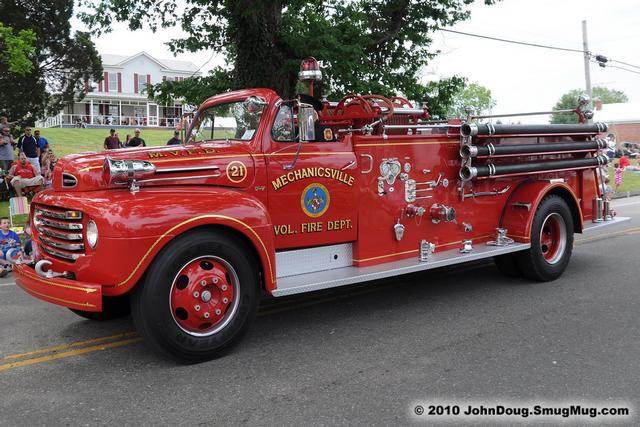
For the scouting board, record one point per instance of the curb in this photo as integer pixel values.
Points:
(625, 195)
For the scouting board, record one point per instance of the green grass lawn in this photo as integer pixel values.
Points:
(65, 141)
(630, 180)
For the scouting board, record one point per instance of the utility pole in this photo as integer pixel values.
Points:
(587, 68)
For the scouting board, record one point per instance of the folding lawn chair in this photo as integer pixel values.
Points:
(18, 206)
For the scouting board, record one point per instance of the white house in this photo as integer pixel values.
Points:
(120, 99)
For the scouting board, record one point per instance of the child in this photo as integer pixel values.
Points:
(28, 244)
(618, 175)
(8, 239)
(607, 189)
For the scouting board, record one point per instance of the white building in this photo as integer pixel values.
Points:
(120, 99)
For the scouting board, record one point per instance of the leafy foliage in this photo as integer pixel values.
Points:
(570, 101)
(377, 46)
(473, 95)
(15, 50)
(61, 63)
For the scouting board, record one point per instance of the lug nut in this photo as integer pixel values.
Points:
(206, 315)
(215, 280)
(225, 300)
(196, 307)
(203, 282)
(224, 287)
(218, 311)
(196, 294)
(206, 296)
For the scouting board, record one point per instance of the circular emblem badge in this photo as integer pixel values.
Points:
(315, 200)
(236, 171)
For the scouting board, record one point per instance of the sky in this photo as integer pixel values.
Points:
(520, 78)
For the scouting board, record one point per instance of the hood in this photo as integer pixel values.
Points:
(221, 163)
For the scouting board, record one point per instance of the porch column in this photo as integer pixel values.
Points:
(91, 112)
(147, 121)
(120, 112)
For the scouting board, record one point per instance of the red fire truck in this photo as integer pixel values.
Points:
(280, 197)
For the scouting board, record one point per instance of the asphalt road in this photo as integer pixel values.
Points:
(366, 355)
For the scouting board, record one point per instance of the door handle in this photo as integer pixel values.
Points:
(349, 165)
(370, 157)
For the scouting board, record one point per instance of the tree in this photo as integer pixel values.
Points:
(472, 95)
(570, 101)
(61, 64)
(367, 46)
(16, 49)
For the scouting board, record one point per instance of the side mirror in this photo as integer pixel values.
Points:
(306, 123)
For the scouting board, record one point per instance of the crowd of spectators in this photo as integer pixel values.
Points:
(26, 165)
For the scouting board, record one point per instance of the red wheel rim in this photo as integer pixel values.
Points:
(204, 295)
(553, 238)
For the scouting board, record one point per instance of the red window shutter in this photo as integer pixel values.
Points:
(119, 82)
(135, 83)
(148, 79)
(99, 86)
(106, 81)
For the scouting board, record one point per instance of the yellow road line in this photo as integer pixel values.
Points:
(70, 353)
(626, 231)
(67, 346)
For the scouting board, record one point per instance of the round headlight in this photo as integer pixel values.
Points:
(92, 234)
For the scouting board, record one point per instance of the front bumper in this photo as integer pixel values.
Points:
(67, 293)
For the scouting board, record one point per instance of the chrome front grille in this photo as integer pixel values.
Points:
(60, 232)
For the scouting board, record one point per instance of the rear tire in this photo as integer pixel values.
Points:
(112, 308)
(198, 297)
(551, 241)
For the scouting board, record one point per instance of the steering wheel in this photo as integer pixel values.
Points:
(379, 99)
(352, 99)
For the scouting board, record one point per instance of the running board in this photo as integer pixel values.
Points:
(349, 275)
(592, 226)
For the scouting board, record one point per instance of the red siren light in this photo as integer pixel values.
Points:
(310, 70)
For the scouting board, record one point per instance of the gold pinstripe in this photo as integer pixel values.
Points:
(86, 304)
(137, 267)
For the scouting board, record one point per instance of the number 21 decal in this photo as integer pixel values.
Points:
(236, 171)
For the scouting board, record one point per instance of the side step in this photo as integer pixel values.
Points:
(349, 275)
(592, 226)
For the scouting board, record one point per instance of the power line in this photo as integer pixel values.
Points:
(625, 69)
(598, 59)
(514, 41)
(624, 63)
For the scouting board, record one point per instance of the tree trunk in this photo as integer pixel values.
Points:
(260, 61)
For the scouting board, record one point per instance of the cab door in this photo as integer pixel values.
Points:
(311, 194)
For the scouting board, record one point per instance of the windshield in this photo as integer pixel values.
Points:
(237, 120)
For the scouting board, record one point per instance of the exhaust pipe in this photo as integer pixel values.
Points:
(468, 173)
(491, 150)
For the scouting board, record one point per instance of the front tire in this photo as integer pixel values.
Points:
(551, 241)
(198, 297)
